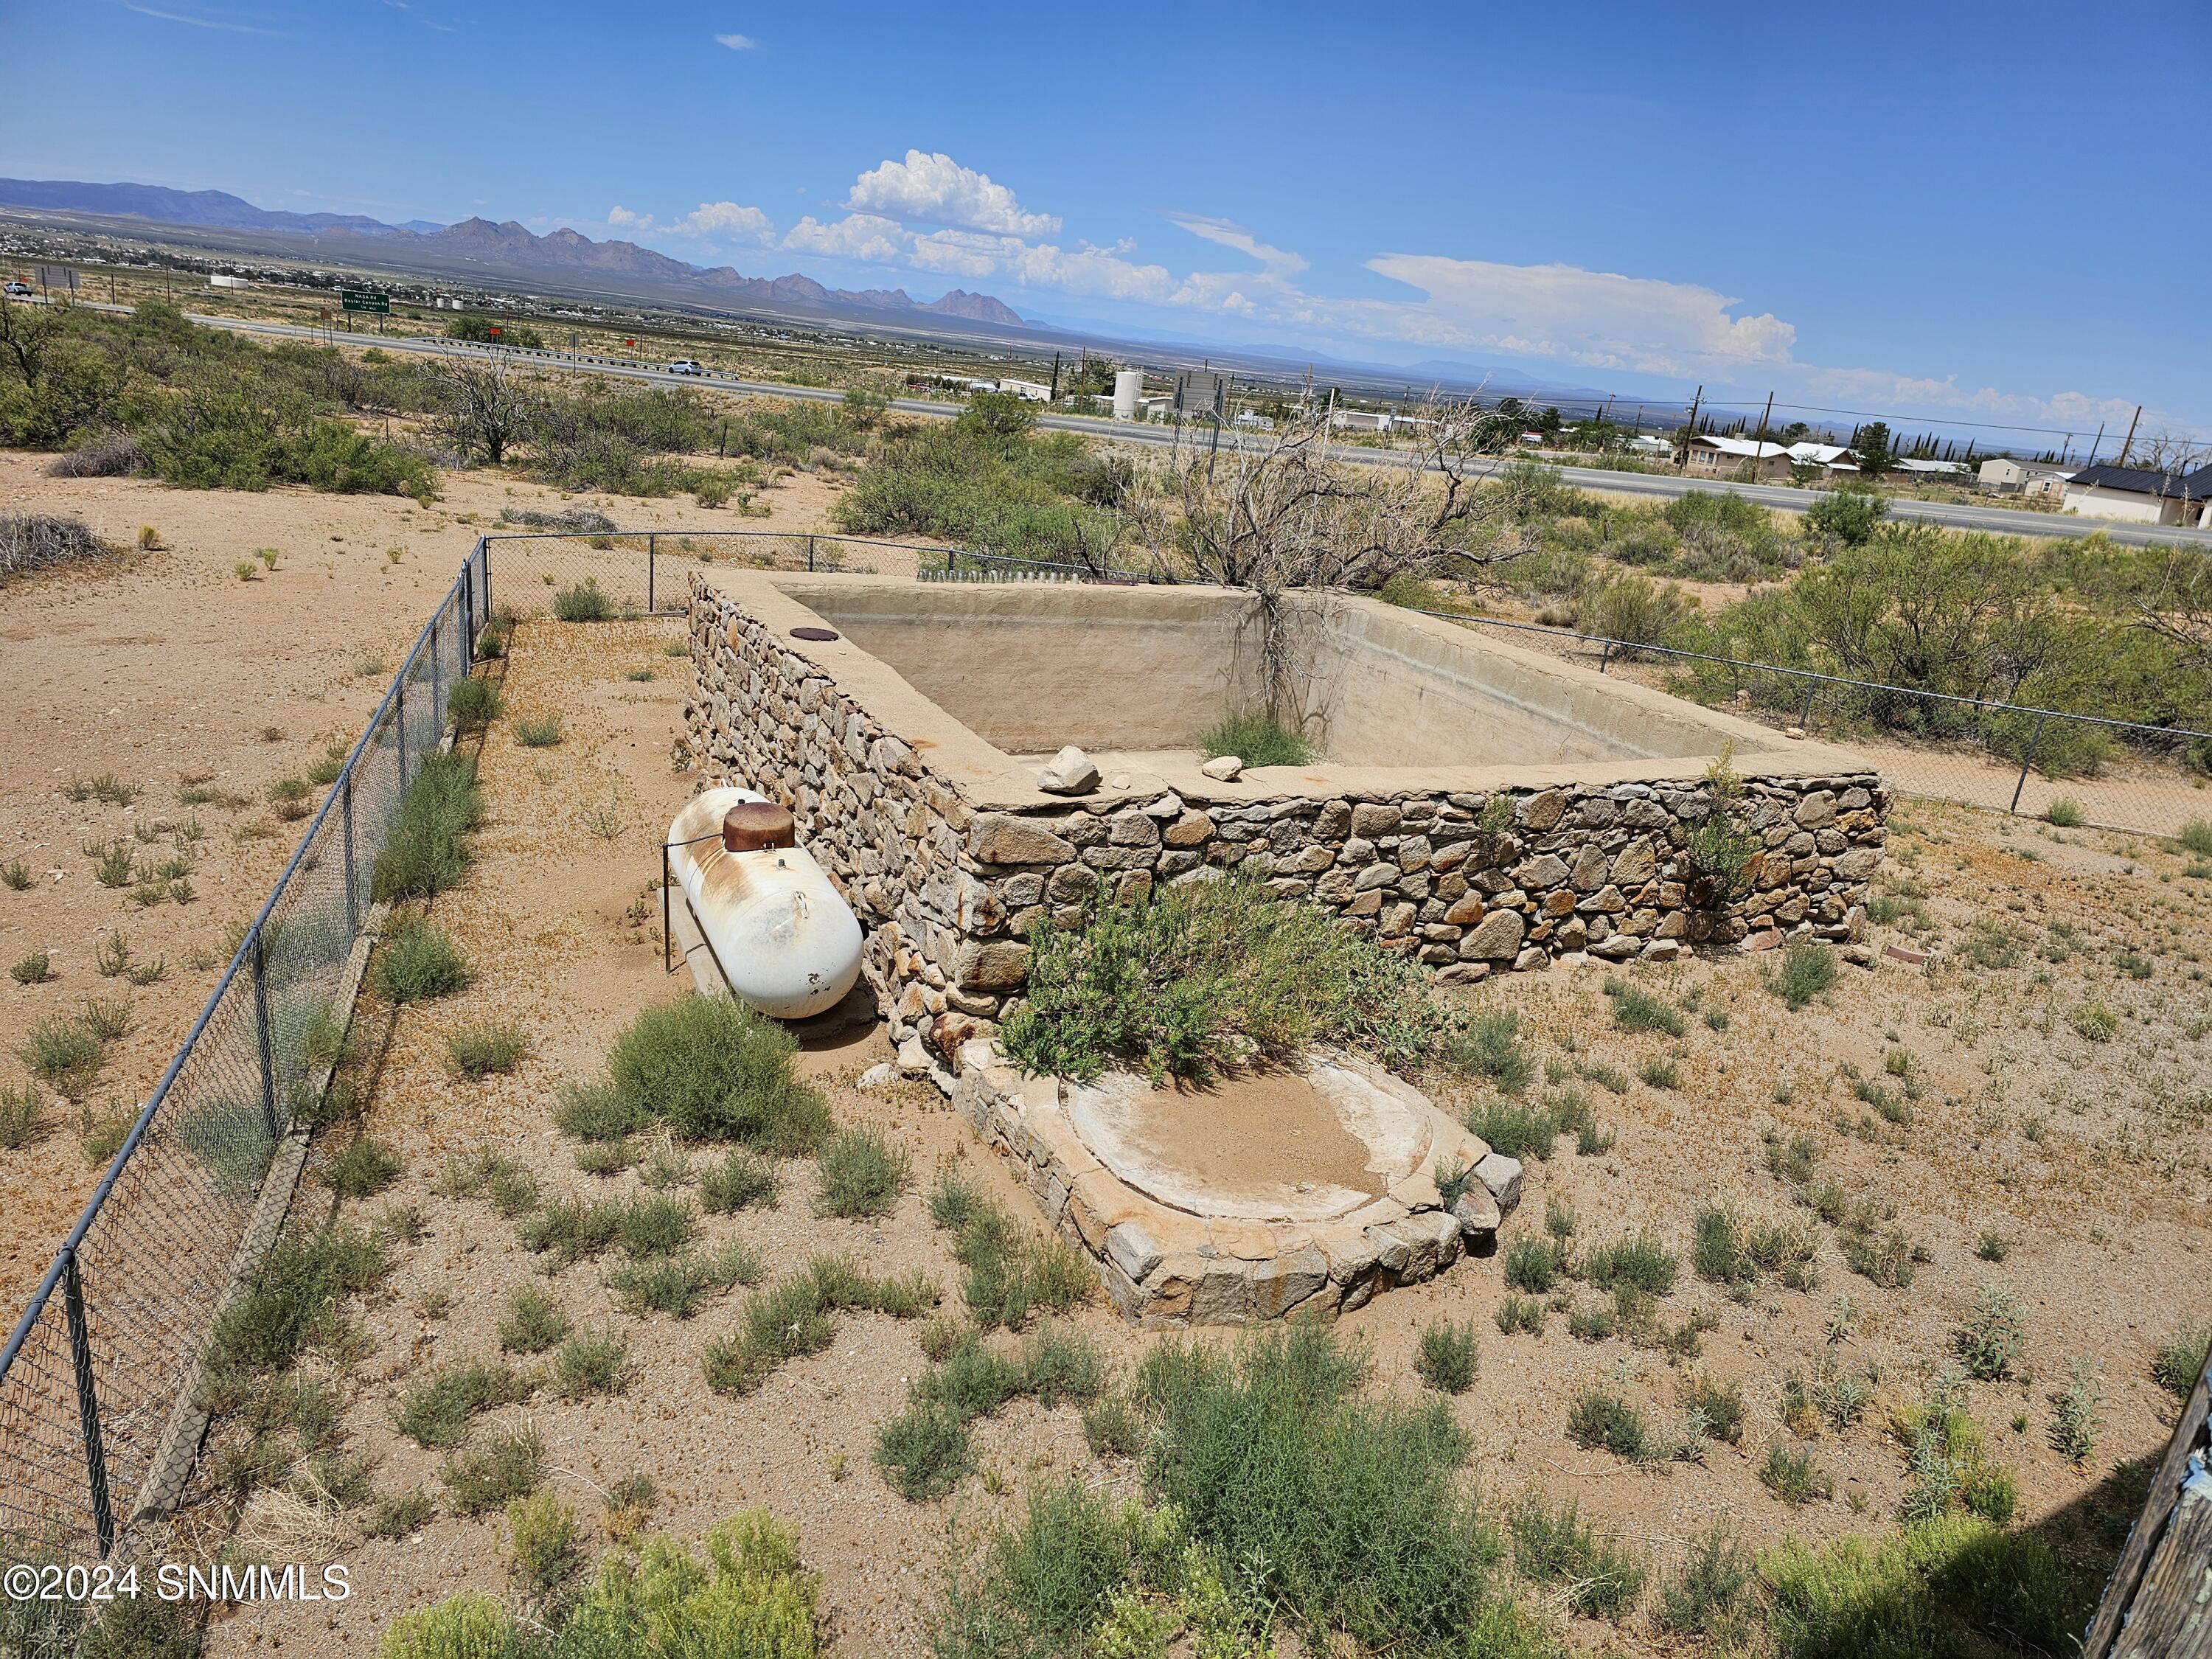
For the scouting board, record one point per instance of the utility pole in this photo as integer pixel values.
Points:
(1759, 444)
(2093, 447)
(2130, 442)
(1055, 378)
(1683, 459)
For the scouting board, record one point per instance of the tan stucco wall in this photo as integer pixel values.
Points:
(1029, 666)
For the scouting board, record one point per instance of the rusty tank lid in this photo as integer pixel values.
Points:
(753, 824)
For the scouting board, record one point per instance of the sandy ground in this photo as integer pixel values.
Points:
(159, 665)
(2088, 1159)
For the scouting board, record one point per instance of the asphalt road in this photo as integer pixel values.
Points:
(1999, 521)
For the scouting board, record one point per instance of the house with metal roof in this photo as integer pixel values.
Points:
(2141, 494)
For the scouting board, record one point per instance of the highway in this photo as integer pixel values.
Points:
(1998, 520)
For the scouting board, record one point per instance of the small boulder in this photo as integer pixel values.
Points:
(880, 1075)
(1071, 772)
(1223, 769)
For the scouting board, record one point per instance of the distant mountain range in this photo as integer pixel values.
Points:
(507, 249)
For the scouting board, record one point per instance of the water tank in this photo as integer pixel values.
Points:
(1128, 389)
(785, 940)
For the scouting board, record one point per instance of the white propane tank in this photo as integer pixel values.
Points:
(1128, 392)
(787, 942)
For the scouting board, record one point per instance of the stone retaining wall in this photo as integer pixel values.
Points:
(1472, 882)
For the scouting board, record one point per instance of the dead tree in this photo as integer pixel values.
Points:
(483, 408)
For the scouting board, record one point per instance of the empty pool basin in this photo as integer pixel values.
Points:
(784, 938)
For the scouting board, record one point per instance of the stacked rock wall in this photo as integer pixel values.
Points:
(1472, 883)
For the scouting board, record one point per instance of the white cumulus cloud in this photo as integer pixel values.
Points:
(708, 222)
(936, 189)
(1597, 318)
(857, 236)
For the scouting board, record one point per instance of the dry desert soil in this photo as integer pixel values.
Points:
(2027, 1107)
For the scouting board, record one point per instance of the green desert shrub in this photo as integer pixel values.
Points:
(537, 730)
(1951, 1586)
(1600, 1574)
(473, 701)
(1448, 1356)
(492, 1474)
(1347, 1510)
(741, 1178)
(795, 1317)
(481, 1050)
(1994, 1334)
(709, 1068)
(533, 1323)
(365, 1168)
(418, 960)
(1849, 515)
(426, 851)
(862, 1174)
(1635, 1009)
(294, 1304)
(1805, 972)
(1189, 978)
(436, 1410)
(1010, 1271)
(2181, 1356)
(584, 601)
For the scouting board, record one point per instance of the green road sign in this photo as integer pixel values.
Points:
(360, 299)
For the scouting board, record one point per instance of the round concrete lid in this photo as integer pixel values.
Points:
(1276, 1146)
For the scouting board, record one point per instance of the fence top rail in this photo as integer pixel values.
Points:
(248, 942)
(1994, 704)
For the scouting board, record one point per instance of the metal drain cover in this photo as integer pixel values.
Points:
(814, 633)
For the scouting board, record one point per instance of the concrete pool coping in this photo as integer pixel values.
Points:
(992, 779)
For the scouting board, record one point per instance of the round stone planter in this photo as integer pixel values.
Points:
(1305, 1189)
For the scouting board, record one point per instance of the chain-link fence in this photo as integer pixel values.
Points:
(2008, 757)
(98, 1366)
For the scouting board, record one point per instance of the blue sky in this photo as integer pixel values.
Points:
(1979, 211)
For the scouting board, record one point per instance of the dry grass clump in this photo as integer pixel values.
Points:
(39, 541)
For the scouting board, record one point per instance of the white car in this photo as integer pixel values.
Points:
(19, 290)
(687, 366)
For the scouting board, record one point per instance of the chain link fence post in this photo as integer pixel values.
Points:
(261, 1031)
(437, 667)
(402, 711)
(2034, 743)
(809, 552)
(88, 1401)
(1805, 714)
(652, 567)
(352, 877)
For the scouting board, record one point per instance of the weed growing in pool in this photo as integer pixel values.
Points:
(1601, 1419)
(399, 1515)
(1532, 1264)
(16, 875)
(64, 1054)
(1490, 1047)
(2064, 812)
(862, 1174)
(1717, 1408)
(294, 1305)
(1521, 1313)
(1702, 1595)
(327, 771)
(1258, 741)
(2197, 837)
(1994, 1334)
(1188, 980)
(418, 961)
(36, 969)
(1637, 1260)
